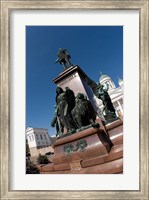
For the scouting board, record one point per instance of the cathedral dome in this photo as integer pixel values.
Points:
(106, 80)
(103, 77)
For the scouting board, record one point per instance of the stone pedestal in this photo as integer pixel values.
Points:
(115, 131)
(81, 146)
(88, 151)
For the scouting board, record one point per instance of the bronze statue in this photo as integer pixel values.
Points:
(64, 110)
(70, 97)
(64, 58)
(57, 122)
(72, 113)
(83, 112)
(101, 93)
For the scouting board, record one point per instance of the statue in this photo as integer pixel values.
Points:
(63, 58)
(101, 93)
(72, 113)
(70, 98)
(64, 110)
(109, 109)
(57, 122)
(83, 113)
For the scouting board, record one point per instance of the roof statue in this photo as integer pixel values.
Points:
(63, 57)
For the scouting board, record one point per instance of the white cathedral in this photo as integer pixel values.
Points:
(116, 94)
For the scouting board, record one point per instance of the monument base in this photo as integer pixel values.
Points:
(88, 152)
(115, 131)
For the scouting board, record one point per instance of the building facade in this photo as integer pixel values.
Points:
(38, 141)
(116, 95)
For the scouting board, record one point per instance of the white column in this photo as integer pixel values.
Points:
(120, 107)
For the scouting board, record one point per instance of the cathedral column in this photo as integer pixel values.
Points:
(120, 107)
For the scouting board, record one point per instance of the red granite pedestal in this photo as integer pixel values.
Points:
(96, 156)
(115, 132)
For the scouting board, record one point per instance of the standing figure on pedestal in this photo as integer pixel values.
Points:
(64, 110)
(63, 58)
(56, 122)
(101, 93)
(70, 97)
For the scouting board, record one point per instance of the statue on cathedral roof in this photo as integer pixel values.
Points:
(63, 57)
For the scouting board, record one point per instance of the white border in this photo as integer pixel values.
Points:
(127, 181)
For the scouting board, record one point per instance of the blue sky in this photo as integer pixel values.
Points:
(94, 48)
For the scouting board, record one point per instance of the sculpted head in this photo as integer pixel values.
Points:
(59, 90)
